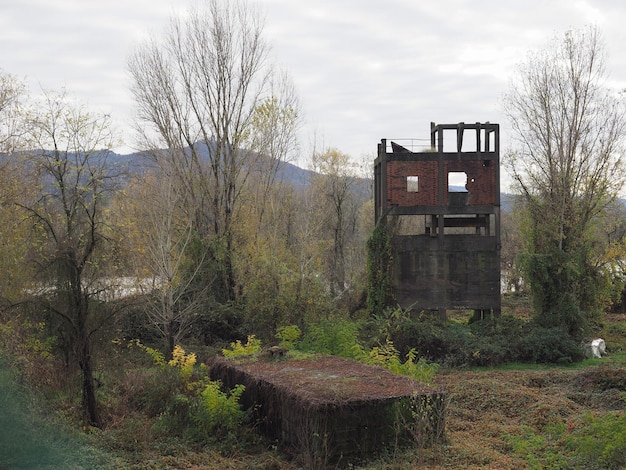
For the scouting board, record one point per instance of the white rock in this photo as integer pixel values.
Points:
(598, 347)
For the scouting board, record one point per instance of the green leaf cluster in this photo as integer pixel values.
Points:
(379, 262)
(288, 336)
(219, 410)
(238, 350)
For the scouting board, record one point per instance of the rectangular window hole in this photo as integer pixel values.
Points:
(457, 182)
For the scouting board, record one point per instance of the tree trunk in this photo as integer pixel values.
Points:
(171, 343)
(90, 405)
(229, 269)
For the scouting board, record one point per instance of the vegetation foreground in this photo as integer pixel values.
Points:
(511, 416)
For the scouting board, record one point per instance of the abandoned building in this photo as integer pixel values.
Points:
(442, 207)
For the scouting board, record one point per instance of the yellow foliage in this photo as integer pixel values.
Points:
(251, 348)
(157, 356)
(184, 362)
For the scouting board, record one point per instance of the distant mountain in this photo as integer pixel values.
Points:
(289, 173)
(507, 201)
(138, 162)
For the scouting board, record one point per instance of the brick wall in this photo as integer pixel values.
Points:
(426, 171)
(481, 182)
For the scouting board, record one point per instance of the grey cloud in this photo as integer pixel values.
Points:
(364, 69)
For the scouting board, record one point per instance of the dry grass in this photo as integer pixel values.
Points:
(483, 408)
(486, 406)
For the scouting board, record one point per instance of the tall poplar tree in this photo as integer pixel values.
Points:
(568, 166)
(199, 92)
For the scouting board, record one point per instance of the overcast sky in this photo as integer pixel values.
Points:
(363, 69)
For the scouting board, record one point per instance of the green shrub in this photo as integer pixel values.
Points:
(288, 336)
(388, 357)
(237, 350)
(548, 345)
(341, 338)
(219, 322)
(488, 351)
(504, 326)
(338, 337)
(488, 342)
(427, 337)
(218, 411)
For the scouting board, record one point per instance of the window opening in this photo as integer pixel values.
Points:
(457, 182)
(412, 184)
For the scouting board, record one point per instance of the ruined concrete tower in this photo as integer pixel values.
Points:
(443, 208)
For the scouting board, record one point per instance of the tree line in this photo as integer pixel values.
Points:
(223, 241)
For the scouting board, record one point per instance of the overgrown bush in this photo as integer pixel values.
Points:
(219, 322)
(335, 336)
(341, 338)
(388, 357)
(488, 342)
(379, 263)
(135, 322)
(217, 413)
(567, 289)
(288, 336)
(187, 403)
(237, 350)
(548, 345)
(434, 340)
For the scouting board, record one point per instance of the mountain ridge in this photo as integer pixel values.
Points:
(291, 173)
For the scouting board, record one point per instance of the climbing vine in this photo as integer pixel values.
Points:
(379, 262)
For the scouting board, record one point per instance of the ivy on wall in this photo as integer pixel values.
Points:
(379, 263)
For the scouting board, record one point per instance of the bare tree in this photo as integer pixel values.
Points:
(568, 165)
(13, 185)
(161, 236)
(12, 114)
(69, 217)
(273, 136)
(198, 93)
(334, 182)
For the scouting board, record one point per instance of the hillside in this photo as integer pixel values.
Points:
(288, 172)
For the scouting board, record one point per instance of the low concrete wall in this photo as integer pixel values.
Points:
(333, 411)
